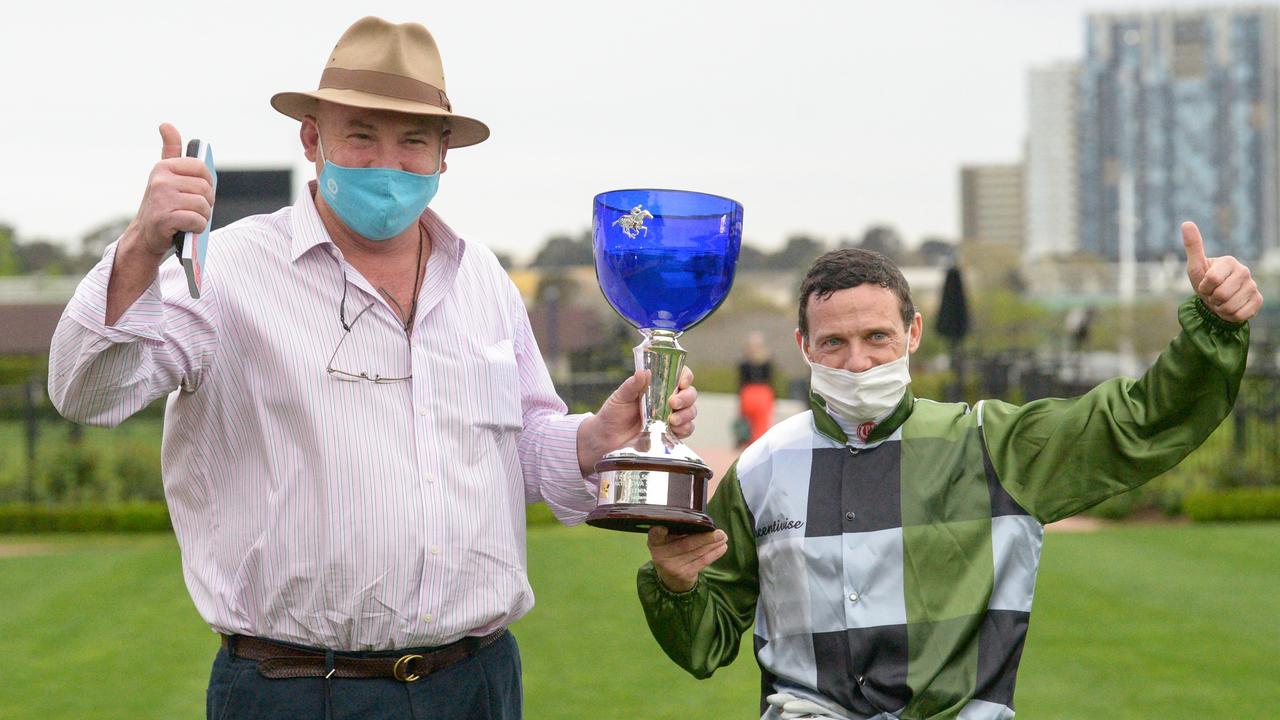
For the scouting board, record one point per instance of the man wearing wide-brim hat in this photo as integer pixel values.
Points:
(361, 412)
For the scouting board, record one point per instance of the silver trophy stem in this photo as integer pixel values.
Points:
(654, 479)
(659, 353)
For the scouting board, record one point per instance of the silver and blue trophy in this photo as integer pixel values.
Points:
(665, 260)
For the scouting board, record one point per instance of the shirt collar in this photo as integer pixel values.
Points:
(309, 230)
(828, 426)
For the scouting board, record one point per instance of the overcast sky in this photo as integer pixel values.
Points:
(820, 117)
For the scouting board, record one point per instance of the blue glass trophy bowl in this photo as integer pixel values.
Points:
(665, 260)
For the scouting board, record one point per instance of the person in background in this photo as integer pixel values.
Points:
(755, 388)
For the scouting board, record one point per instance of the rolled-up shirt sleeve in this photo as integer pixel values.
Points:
(548, 444)
(100, 374)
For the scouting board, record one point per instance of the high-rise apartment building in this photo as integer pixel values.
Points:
(991, 204)
(1052, 176)
(1177, 121)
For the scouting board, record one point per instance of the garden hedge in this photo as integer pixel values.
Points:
(132, 517)
(1236, 504)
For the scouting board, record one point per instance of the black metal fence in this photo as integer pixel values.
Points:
(1245, 450)
(21, 405)
(587, 391)
(44, 457)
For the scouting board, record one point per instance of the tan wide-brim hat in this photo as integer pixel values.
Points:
(384, 66)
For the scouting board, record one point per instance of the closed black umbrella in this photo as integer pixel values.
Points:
(953, 324)
(953, 312)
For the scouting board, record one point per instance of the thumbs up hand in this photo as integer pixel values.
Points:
(1224, 283)
(178, 198)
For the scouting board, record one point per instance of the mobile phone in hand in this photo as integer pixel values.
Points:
(189, 246)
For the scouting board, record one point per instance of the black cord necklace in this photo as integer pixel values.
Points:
(417, 285)
(418, 275)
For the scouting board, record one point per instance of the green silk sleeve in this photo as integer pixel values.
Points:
(701, 629)
(1057, 457)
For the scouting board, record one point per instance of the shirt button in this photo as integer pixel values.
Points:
(848, 515)
(429, 477)
(853, 597)
(423, 412)
(435, 549)
(428, 617)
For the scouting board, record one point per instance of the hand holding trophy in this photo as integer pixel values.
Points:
(665, 260)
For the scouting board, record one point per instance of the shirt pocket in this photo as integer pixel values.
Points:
(499, 406)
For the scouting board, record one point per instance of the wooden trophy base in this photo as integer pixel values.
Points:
(633, 517)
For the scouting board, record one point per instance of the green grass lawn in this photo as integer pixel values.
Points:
(1133, 622)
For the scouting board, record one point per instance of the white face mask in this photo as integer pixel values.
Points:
(863, 398)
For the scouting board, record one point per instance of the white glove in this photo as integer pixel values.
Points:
(791, 707)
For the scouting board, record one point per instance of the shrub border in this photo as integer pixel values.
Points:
(1236, 504)
(130, 517)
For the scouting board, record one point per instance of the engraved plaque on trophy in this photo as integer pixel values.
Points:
(665, 260)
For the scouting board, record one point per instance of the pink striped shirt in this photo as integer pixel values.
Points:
(346, 515)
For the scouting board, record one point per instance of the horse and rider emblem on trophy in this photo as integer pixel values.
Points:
(633, 222)
(663, 278)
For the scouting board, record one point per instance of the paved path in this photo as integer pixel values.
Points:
(25, 549)
(716, 413)
(713, 430)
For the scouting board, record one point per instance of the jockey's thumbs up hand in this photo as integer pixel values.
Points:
(1224, 284)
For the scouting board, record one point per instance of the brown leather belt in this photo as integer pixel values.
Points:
(279, 661)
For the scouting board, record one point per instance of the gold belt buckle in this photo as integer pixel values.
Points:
(400, 670)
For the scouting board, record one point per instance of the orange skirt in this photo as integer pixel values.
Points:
(755, 402)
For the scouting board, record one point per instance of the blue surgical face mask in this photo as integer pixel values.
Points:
(377, 203)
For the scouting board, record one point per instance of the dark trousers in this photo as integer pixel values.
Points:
(485, 686)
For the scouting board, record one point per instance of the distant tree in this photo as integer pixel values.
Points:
(8, 260)
(612, 354)
(1014, 280)
(751, 257)
(556, 287)
(100, 236)
(798, 254)
(564, 251)
(41, 256)
(1001, 320)
(884, 240)
(936, 252)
